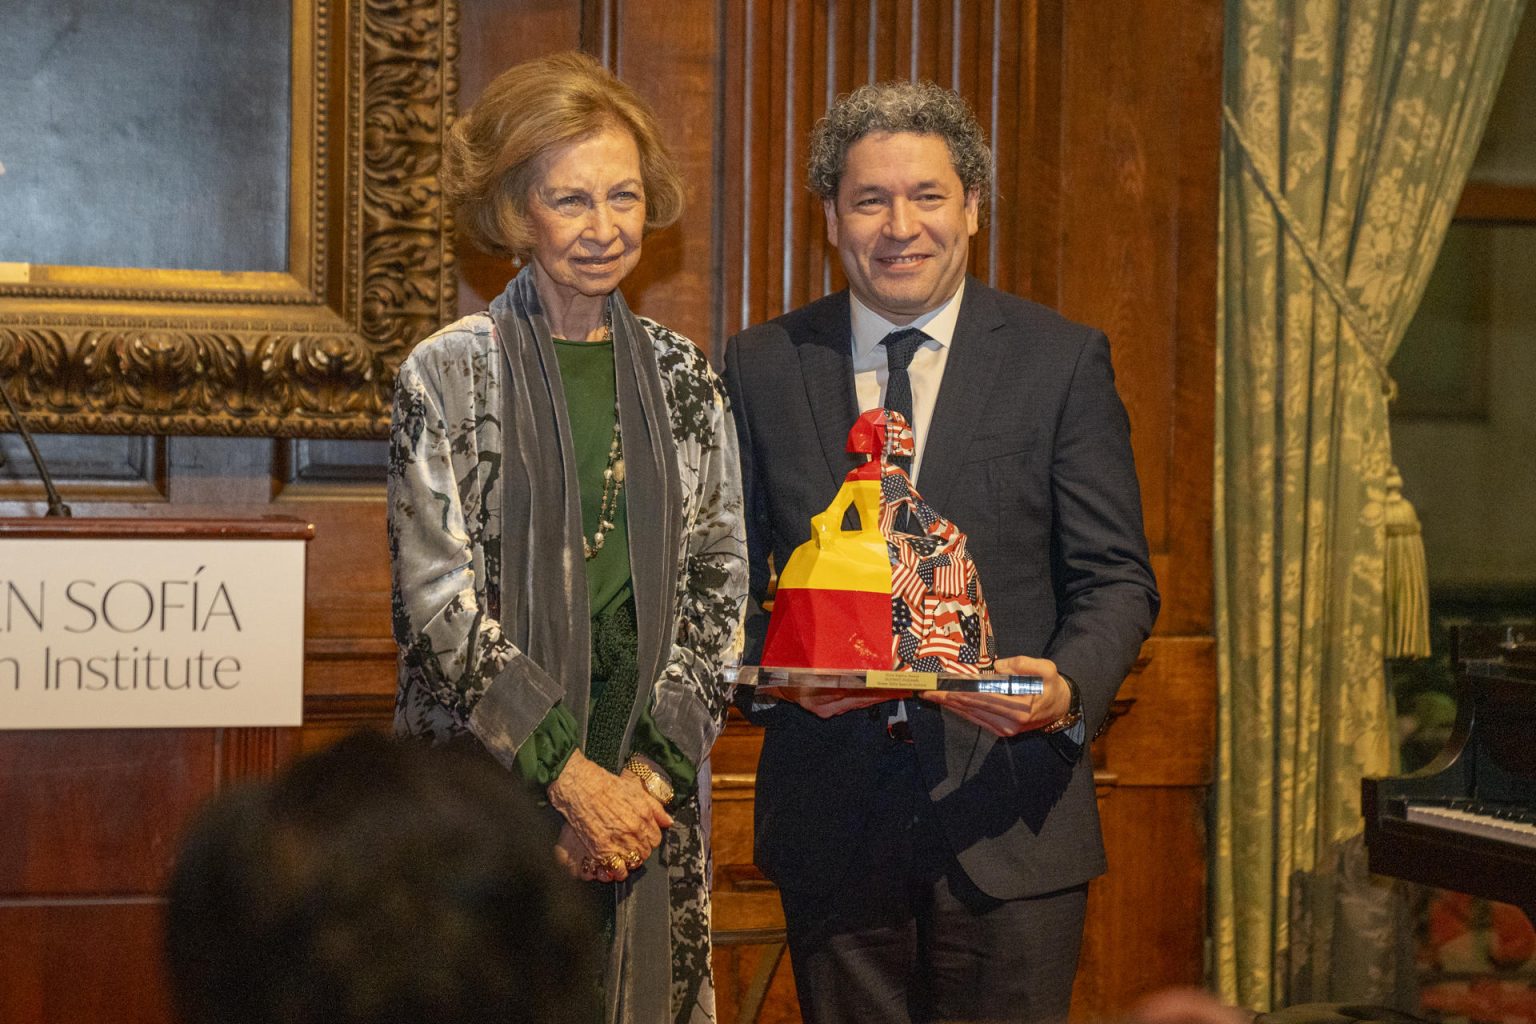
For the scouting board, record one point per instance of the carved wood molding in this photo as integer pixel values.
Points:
(348, 709)
(312, 352)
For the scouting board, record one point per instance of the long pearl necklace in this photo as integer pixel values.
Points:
(613, 474)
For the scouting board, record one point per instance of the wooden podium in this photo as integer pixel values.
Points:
(90, 820)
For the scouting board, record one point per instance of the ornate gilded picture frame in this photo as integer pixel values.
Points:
(308, 349)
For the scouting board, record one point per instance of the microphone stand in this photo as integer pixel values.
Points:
(56, 506)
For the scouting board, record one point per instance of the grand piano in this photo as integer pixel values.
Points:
(1467, 821)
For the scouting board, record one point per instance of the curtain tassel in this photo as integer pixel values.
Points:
(1407, 583)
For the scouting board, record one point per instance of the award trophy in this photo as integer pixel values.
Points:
(894, 604)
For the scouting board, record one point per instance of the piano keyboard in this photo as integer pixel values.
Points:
(1506, 824)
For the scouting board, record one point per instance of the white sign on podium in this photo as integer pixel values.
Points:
(151, 632)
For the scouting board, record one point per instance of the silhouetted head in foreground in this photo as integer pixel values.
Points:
(377, 883)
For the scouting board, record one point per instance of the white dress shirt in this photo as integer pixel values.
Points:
(871, 370)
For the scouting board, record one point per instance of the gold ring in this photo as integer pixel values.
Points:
(589, 866)
(613, 862)
(633, 860)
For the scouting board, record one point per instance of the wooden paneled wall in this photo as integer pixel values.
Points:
(1105, 121)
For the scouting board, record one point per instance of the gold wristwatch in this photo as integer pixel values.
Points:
(654, 782)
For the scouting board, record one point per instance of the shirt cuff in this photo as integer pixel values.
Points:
(543, 756)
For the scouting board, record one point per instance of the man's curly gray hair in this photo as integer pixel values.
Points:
(920, 107)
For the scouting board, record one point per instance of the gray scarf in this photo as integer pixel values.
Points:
(544, 607)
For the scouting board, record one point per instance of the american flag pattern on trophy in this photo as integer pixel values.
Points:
(939, 619)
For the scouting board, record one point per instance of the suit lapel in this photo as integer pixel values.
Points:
(975, 353)
(826, 364)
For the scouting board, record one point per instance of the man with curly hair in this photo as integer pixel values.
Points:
(933, 855)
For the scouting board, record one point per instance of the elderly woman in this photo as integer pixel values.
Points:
(565, 519)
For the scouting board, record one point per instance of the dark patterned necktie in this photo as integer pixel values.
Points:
(899, 348)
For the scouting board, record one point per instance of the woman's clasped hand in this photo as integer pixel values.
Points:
(611, 823)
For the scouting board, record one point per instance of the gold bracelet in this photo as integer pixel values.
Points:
(654, 782)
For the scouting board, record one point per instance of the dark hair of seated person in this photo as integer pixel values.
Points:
(378, 882)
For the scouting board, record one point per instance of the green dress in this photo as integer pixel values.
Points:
(586, 370)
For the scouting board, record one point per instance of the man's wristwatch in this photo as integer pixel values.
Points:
(1074, 712)
(655, 783)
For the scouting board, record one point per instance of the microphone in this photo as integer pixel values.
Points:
(56, 506)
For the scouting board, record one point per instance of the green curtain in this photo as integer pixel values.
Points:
(1350, 127)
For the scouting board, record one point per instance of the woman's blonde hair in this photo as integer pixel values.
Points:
(491, 157)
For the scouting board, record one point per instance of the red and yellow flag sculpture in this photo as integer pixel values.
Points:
(874, 596)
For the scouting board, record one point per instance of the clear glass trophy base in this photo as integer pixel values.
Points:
(766, 677)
